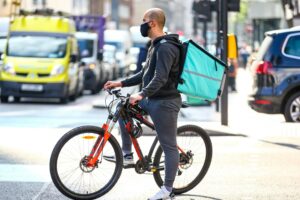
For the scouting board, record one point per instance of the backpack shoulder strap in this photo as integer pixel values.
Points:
(182, 54)
(182, 46)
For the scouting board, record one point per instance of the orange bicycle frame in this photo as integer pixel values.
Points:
(98, 147)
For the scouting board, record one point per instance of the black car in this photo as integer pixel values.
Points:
(276, 73)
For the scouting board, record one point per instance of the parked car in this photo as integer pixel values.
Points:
(4, 26)
(276, 73)
(2, 43)
(122, 41)
(40, 61)
(94, 72)
(138, 46)
(109, 60)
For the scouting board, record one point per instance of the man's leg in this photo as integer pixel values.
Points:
(126, 146)
(126, 141)
(164, 114)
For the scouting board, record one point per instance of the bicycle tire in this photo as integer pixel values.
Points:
(178, 188)
(60, 179)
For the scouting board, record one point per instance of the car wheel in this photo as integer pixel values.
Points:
(73, 97)
(292, 108)
(96, 90)
(17, 99)
(4, 99)
(65, 99)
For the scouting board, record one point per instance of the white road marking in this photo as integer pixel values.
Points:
(24, 173)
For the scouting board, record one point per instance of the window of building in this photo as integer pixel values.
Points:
(4, 3)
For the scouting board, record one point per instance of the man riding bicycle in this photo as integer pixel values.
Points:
(159, 96)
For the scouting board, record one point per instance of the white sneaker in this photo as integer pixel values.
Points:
(162, 194)
(127, 159)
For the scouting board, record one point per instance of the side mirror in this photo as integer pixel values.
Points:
(100, 56)
(1, 56)
(73, 58)
(126, 51)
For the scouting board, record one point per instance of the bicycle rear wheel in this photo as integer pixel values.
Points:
(193, 163)
(68, 168)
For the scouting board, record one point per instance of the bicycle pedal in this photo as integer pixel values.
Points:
(154, 169)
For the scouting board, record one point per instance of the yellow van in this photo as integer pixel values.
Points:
(40, 59)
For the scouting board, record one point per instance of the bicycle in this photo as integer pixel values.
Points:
(79, 170)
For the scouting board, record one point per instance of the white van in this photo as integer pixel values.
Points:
(4, 26)
(122, 41)
(95, 74)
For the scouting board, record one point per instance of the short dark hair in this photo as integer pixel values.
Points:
(158, 15)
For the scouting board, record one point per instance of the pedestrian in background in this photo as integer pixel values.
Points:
(142, 57)
(244, 55)
(232, 73)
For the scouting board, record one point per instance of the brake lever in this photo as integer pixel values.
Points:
(117, 91)
(109, 91)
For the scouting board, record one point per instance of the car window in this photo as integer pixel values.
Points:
(2, 44)
(264, 47)
(37, 46)
(292, 46)
(86, 47)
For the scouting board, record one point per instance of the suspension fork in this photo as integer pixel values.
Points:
(101, 140)
(98, 146)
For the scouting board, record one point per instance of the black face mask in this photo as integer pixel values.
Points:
(144, 29)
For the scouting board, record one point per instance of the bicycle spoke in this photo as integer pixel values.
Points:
(72, 171)
(194, 148)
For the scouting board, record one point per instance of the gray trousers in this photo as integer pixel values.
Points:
(164, 114)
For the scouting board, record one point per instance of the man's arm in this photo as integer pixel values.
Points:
(165, 57)
(133, 80)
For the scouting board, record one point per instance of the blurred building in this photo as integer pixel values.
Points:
(76, 7)
(178, 13)
(118, 13)
(265, 15)
(4, 8)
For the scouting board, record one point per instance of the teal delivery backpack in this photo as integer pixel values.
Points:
(202, 75)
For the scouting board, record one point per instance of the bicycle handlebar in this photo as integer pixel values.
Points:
(117, 93)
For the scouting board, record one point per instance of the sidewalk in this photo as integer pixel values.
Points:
(242, 120)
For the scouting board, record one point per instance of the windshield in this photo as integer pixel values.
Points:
(108, 55)
(2, 44)
(86, 48)
(37, 46)
(118, 45)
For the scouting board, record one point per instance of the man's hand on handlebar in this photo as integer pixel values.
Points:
(135, 98)
(112, 84)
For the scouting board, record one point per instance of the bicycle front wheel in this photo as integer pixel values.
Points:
(68, 164)
(195, 154)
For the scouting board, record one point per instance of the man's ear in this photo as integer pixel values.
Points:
(152, 23)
